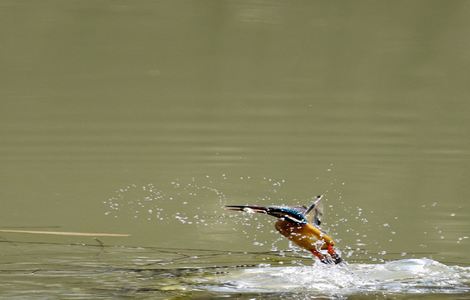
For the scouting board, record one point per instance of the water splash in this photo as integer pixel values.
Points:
(165, 203)
(407, 276)
(197, 202)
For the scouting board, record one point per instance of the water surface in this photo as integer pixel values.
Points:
(146, 118)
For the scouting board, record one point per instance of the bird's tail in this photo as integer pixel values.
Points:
(315, 211)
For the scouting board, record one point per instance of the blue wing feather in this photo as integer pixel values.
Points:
(292, 213)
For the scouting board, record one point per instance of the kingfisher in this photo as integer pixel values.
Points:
(301, 225)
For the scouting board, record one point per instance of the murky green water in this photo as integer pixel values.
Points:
(146, 118)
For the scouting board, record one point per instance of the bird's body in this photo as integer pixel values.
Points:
(304, 235)
(294, 224)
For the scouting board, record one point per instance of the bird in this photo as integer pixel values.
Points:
(301, 225)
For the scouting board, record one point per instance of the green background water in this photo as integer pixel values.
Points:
(263, 101)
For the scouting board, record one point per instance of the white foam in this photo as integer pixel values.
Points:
(400, 276)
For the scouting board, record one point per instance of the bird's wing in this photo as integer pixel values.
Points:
(294, 214)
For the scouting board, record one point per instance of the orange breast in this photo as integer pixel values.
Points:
(304, 235)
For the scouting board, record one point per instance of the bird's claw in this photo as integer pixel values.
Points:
(330, 260)
(327, 260)
(336, 259)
